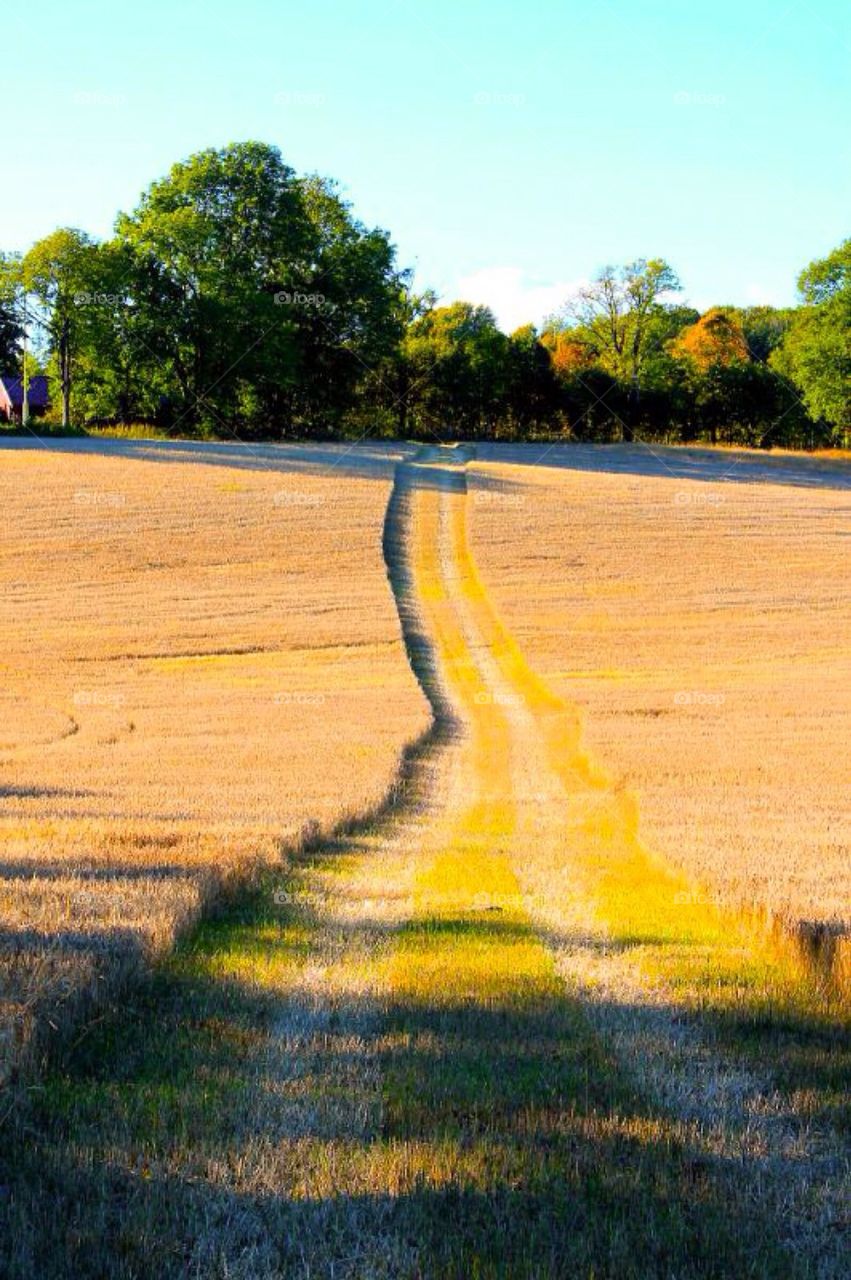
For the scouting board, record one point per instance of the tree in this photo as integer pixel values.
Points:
(748, 403)
(595, 404)
(457, 371)
(390, 389)
(57, 271)
(568, 353)
(816, 350)
(614, 318)
(117, 377)
(361, 320)
(763, 328)
(717, 338)
(261, 295)
(11, 313)
(213, 242)
(533, 399)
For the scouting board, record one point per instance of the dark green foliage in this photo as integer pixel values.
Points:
(816, 350)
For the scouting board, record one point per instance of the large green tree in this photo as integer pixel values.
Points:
(117, 377)
(391, 389)
(345, 340)
(267, 300)
(457, 360)
(816, 350)
(764, 328)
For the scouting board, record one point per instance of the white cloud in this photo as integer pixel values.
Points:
(760, 295)
(750, 294)
(514, 297)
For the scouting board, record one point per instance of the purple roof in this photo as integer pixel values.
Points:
(36, 392)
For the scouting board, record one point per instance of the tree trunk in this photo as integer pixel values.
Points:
(403, 404)
(65, 375)
(628, 427)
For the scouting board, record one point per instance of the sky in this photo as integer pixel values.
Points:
(510, 149)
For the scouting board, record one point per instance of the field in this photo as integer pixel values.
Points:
(549, 1012)
(697, 611)
(201, 656)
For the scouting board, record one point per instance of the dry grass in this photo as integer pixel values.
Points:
(201, 655)
(699, 617)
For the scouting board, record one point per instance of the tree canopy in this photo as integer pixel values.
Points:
(716, 338)
(816, 350)
(11, 314)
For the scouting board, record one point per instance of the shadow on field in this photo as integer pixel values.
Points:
(8, 792)
(724, 466)
(355, 460)
(46, 869)
(377, 459)
(507, 1144)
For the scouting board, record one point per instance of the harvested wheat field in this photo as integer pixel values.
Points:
(502, 1029)
(696, 609)
(201, 655)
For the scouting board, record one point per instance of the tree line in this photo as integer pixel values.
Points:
(240, 298)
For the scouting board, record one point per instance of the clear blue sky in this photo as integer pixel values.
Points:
(510, 148)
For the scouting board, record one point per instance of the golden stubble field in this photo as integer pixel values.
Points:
(697, 610)
(491, 1005)
(201, 656)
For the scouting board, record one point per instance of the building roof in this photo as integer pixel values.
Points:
(36, 392)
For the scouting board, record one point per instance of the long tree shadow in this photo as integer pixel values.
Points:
(679, 463)
(328, 459)
(508, 1144)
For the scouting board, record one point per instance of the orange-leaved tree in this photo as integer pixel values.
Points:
(717, 338)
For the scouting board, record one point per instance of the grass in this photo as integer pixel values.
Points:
(47, 429)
